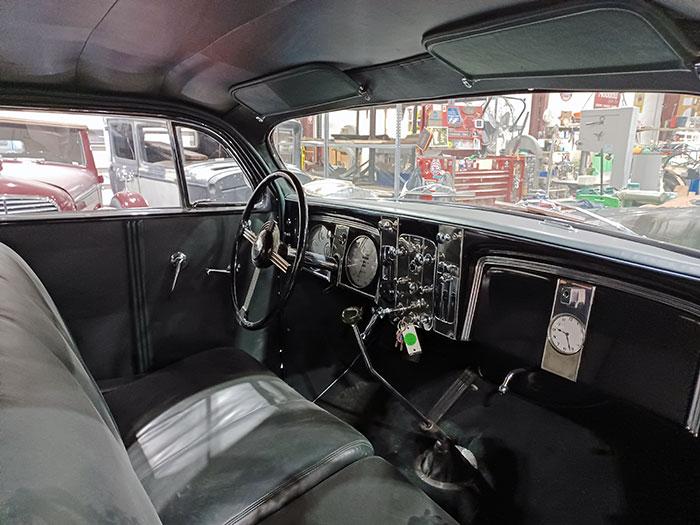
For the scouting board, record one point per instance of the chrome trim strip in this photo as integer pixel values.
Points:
(111, 214)
(509, 260)
(12, 205)
(345, 221)
(348, 287)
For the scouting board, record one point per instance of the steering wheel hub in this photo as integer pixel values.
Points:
(266, 243)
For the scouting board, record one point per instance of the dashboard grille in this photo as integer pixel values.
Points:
(23, 204)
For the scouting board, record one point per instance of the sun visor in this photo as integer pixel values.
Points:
(309, 86)
(597, 38)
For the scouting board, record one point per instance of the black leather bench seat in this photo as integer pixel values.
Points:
(368, 491)
(218, 438)
(214, 439)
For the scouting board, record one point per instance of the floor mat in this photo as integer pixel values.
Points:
(578, 465)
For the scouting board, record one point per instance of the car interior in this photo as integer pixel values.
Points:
(402, 355)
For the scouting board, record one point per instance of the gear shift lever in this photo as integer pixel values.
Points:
(353, 315)
(444, 463)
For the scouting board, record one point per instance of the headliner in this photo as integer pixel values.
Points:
(194, 51)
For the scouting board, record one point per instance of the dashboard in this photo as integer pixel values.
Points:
(584, 318)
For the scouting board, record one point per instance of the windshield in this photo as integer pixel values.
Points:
(623, 162)
(40, 142)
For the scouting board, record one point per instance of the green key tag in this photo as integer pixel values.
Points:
(410, 339)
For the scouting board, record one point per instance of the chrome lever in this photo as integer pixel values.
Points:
(505, 386)
(179, 261)
(210, 271)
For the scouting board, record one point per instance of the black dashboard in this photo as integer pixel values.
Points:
(628, 334)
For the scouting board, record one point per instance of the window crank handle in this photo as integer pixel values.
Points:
(179, 261)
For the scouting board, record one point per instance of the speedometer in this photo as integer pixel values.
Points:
(320, 241)
(361, 261)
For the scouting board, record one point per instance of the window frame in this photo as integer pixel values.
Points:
(180, 164)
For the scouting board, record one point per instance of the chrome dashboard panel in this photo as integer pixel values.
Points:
(630, 355)
(573, 300)
(415, 277)
(513, 260)
(448, 279)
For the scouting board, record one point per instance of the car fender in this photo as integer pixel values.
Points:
(128, 199)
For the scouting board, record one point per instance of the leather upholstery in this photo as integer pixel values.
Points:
(233, 452)
(134, 404)
(368, 491)
(217, 438)
(61, 458)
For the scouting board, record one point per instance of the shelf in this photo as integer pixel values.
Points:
(372, 144)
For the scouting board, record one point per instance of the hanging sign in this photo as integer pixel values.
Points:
(606, 99)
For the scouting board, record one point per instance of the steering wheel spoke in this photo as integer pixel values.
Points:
(279, 261)
(249, 235)
(251, 290)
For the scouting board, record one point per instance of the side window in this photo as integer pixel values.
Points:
(154, 145)
(63, 162)
(142, 169)
(211, 171)
(122, 139)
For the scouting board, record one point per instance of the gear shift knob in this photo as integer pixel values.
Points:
(352, 315)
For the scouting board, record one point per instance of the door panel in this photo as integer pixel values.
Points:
(198, 314)
(110, 278)
(83, 267)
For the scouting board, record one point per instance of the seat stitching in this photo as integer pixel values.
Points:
(294, 480)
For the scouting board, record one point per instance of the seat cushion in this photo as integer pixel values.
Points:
(137, 403)
(368, 491)
(233, 451)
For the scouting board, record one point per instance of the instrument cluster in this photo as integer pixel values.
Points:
(353, 246)
(416, 275)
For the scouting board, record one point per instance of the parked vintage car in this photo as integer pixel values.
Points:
(142, 167)
(46, 166)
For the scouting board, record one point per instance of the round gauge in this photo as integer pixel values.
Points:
(319, 241)
(361, 261)
(566, 334)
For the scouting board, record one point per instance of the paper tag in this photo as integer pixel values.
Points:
(410, 339)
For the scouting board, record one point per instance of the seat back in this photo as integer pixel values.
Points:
(61, 457)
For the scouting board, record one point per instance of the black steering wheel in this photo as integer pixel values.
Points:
(267, 251)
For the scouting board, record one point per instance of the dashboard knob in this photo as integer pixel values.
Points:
(443, 237)
(386, 225)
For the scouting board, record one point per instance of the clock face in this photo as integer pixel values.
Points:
(566, 334)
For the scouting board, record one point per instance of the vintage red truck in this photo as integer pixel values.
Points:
(46, 166)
